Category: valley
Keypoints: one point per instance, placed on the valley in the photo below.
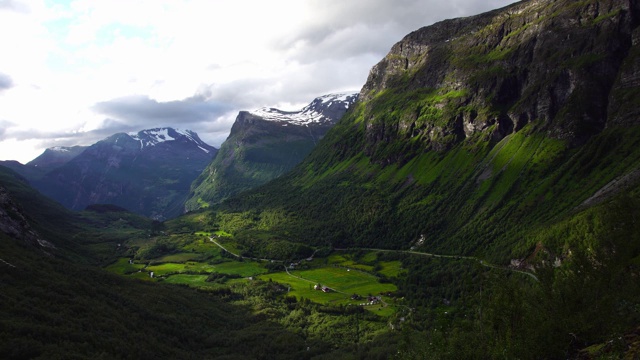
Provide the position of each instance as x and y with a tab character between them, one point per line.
479	198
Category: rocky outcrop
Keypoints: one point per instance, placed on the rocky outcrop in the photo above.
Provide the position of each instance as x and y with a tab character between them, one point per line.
14	223
569	67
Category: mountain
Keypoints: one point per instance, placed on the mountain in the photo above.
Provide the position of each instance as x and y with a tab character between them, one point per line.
474	131
50	159
56	156
148	172
264	144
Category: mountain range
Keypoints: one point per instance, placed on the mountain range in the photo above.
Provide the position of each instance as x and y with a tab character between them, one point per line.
148	172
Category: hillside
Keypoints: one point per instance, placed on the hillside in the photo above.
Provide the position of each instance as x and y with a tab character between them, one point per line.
264	144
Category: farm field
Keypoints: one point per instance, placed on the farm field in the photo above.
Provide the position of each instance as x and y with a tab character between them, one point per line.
390	268
344	281
179	257
241	268
198	281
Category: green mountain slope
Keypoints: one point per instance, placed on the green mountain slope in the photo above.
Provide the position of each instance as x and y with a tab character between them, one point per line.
473	133
263	145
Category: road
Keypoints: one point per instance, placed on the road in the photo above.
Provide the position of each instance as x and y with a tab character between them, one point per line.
482	262
240	256
459	257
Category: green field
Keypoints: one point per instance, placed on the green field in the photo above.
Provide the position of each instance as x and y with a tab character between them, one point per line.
345	281
303	289
179	257
242	268
390	268
191	280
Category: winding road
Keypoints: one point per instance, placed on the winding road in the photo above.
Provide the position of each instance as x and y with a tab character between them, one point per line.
411	252
482	262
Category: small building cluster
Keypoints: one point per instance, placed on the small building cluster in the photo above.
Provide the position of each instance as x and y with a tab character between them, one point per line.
321	288
372	300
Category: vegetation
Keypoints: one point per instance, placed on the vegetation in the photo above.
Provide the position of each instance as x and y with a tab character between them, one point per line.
529	218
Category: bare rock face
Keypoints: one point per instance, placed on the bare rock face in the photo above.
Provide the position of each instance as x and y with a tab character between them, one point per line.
555	64
15	224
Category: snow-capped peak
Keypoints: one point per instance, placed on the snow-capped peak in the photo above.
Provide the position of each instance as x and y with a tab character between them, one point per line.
319	110
153	137
60	149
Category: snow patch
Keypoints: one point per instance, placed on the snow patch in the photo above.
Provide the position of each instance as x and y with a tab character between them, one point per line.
308	114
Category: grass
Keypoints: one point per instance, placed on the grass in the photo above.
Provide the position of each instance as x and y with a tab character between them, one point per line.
191	280
244	268
179	257
303	289
341	260
122	267
345	281
391	268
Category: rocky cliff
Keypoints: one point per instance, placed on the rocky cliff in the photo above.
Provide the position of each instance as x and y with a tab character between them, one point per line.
565	66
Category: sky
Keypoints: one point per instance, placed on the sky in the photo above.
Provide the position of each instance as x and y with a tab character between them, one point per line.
73	72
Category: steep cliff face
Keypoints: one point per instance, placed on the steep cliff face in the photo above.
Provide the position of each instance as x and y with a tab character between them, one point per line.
264	144
14	223
550	63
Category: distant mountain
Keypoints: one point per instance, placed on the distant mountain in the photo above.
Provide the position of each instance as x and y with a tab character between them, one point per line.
56	156
148	172
50	159
264	144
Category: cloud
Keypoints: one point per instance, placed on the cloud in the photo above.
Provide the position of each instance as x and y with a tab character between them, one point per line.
13	6
79	63
143	111
341	29
5	82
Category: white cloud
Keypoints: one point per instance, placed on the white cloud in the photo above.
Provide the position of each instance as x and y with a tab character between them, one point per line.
72	66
